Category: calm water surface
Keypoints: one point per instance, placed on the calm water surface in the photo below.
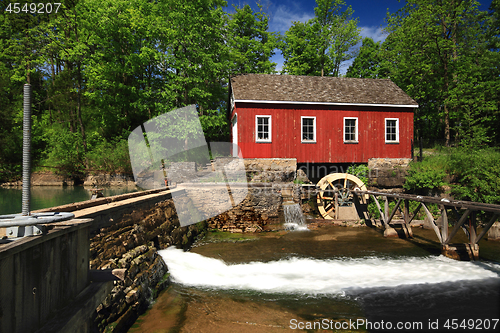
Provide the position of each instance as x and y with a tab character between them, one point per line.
50	196
326	277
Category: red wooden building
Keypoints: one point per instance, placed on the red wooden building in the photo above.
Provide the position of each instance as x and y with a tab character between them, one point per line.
320	119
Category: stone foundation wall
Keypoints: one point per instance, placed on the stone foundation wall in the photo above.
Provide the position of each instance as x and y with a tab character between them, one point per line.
387	172
258	207
260	210
129	248
271	169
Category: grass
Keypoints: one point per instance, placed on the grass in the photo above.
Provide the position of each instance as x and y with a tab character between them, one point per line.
229	237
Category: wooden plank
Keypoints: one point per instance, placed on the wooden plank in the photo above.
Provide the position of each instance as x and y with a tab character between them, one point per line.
416	212
444	227
433	223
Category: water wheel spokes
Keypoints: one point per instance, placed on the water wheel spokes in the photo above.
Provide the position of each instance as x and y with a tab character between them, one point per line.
335	190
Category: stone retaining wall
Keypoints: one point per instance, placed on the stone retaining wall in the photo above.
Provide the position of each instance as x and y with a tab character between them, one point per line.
261	208
109	180
47	178
387	172
271	169
129	248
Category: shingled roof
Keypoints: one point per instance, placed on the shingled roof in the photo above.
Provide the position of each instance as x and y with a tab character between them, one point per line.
317	89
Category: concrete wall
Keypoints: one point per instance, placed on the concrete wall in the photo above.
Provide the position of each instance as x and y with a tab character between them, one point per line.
39	275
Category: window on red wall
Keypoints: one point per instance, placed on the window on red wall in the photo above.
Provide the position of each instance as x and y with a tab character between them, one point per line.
391	130
262	128
350	130
308	129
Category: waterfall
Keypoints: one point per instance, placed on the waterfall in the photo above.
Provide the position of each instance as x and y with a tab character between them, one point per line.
294	218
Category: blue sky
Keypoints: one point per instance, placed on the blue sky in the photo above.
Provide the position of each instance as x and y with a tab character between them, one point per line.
371	16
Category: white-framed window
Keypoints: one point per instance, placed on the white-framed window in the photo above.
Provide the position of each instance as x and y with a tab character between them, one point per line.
263	129
308	129
391	130
350	130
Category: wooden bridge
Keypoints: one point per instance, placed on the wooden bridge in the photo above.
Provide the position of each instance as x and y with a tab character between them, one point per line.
464	215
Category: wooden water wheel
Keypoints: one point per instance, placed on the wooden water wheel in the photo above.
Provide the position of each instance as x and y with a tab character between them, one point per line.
336	191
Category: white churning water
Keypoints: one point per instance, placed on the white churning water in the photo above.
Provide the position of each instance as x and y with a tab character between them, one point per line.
314	276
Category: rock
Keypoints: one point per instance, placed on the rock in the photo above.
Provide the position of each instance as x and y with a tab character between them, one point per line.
390	232
302	177
103	179
494	232
119	273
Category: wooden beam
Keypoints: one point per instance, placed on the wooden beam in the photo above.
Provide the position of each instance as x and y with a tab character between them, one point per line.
386	210
444	219
394	211
458	225
406	211
379	209
433	223
336	204
416	211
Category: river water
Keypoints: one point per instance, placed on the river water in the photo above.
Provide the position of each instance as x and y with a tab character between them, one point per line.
51	196
350	279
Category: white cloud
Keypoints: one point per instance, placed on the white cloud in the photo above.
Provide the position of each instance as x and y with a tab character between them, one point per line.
376	33
283	17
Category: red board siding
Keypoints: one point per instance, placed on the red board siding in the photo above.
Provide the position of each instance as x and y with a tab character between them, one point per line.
329	146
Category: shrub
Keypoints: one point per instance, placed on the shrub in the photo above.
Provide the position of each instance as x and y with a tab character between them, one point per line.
475	175
111	157
360	171
427	176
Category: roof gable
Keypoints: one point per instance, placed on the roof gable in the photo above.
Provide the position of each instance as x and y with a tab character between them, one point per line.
318	90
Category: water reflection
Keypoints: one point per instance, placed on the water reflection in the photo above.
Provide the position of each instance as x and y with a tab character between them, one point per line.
51	196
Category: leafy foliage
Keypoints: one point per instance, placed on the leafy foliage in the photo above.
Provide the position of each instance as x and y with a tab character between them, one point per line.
425	177
110	157
472	174
475	174
361	171
99	69
438	52
368	62
319	46
250	43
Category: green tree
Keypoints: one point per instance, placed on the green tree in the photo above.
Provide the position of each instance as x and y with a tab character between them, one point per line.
299	50
368	63
436	52
250	43
319	46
